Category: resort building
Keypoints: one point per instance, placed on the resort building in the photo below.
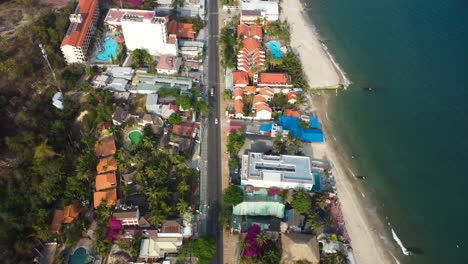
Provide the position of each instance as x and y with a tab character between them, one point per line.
127	215
105	148
106	181
240	78
278	81
238	108
252	31
71	212
251	56
181	30
252	16
263	111
269	10
168	64
142	32
291	97
106	164
82	28
283	171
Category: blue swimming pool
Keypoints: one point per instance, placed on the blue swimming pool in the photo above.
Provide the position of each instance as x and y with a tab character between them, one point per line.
274	47
78	257
110	49
316	186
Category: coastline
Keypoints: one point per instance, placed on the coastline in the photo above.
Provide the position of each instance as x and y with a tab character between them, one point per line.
366	232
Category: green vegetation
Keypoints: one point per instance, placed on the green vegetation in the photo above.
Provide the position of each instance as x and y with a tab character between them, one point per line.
224	217
280	100
203	248
233	195
227	41
175	119
286	144
235	142
132	246
303	124
202	107
141	57
335	258
292	65
184	102
71	74
166	92
234	163
227	95
279	30
301	201
99	105
122	53
196	21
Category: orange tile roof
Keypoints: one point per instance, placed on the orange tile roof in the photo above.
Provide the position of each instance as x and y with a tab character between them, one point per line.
57	220
266	91
109	195
181	30
292	112
71	213
250	44
256	31
106	181
240	77
291	95
238	92
171	40
249	31
250	89
258	99
105	147
242	29
238	107
274	78
263	106
78	30
106	164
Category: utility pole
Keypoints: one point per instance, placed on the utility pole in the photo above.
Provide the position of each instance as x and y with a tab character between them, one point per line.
44	54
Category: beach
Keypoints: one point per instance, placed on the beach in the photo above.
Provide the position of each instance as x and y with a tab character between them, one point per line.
364	230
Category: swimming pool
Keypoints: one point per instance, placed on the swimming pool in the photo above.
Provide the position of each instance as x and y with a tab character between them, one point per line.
135	137
316	186
274	47
78	257
110	49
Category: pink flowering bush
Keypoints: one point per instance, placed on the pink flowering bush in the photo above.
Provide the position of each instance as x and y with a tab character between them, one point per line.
114	227
253	250
273	191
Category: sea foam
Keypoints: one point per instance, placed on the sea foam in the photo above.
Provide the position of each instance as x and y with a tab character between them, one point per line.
403	249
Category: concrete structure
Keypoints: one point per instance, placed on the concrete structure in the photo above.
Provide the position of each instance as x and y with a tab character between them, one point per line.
82	27
120	116
121	72
154	107
127	215
101	81
252	16
157	247
150	83
191	48
269	9
148	32
118	85
114	16
168	64
284	171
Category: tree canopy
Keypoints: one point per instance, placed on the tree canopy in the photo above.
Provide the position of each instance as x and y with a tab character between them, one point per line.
235	143
203	248
233	195
301	201
175	119
184	102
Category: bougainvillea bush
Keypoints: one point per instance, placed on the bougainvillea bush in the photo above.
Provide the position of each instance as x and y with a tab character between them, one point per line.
253	250
114	227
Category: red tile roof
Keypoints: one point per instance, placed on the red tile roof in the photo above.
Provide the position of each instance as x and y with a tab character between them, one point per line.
106	165
258	99
105	147
106	181
249	31
238	107
263	106
57	220
240	78
266	91
183	129
292	112
181	30
291	95
71	212
78	31
274	78
250	89
250	44
238	92
109	195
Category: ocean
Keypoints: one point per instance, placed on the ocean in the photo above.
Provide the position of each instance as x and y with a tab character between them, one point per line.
409	137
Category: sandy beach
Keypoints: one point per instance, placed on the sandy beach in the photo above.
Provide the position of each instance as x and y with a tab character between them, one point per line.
364	230
322	71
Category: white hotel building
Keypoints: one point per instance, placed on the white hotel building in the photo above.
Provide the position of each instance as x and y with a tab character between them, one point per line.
283	171
83	22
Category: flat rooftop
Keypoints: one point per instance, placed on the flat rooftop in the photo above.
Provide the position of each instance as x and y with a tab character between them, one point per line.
115	15
279	168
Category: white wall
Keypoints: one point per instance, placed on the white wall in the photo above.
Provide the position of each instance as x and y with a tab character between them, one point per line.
280	184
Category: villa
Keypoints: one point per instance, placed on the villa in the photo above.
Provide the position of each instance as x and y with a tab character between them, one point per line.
109	195
281	81
283	171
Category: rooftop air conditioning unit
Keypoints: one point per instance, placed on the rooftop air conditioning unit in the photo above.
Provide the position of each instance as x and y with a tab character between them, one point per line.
76	18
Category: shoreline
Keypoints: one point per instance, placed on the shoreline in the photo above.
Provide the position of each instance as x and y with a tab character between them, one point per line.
368	241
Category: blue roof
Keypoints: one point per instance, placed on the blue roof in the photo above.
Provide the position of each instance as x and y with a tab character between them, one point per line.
314	123
307	135
265	127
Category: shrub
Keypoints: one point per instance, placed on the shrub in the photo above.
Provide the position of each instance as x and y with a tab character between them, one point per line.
233	195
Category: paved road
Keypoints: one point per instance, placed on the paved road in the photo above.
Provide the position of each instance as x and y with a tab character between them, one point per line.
214	140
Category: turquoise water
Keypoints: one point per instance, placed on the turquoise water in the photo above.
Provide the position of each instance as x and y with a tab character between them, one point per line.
78	257
316	186
110	49
274	47
409	138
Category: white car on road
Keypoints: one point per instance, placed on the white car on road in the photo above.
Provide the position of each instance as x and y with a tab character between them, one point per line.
216	121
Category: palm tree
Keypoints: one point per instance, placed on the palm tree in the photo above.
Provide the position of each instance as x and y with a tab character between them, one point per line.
183	187
43	151
261	239
182	206
321	202
314	223
243	245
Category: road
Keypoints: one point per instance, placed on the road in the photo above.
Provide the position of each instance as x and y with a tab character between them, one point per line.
214	133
